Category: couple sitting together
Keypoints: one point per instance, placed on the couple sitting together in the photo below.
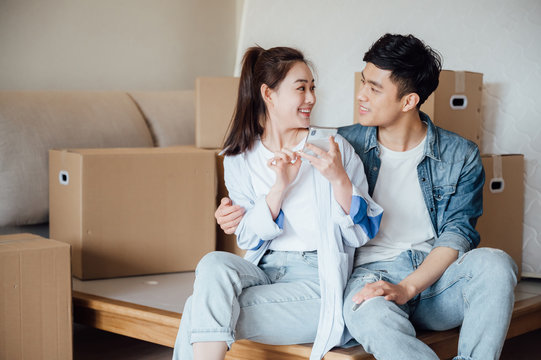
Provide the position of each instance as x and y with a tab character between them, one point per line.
360	244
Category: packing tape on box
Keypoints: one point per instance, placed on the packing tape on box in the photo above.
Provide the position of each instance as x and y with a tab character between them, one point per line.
460	82
497	183
459	101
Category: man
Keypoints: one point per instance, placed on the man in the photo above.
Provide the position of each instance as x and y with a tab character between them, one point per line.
421	270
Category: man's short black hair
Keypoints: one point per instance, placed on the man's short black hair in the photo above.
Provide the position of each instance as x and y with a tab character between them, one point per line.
414	66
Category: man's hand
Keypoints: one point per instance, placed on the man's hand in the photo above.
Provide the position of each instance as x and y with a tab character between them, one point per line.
400	294
434	265
228	216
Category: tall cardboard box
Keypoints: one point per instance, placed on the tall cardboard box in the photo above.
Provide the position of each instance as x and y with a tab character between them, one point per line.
500	226
224	242
35	298
454	106
133	211
215	99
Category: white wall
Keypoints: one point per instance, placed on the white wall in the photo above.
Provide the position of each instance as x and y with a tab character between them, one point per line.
115	44
499	38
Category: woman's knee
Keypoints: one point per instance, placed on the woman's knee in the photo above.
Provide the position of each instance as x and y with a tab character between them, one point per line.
212	262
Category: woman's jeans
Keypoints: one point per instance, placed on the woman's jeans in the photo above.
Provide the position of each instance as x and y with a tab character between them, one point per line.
476	291
276	302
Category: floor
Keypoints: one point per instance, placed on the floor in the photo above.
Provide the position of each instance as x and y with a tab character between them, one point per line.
90	344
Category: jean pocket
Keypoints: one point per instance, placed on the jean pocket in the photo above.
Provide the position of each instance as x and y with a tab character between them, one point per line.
310	258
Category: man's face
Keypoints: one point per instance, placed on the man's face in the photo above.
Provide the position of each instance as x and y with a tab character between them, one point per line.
377	98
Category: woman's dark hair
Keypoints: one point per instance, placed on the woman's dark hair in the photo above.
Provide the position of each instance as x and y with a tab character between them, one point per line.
259	66
414	66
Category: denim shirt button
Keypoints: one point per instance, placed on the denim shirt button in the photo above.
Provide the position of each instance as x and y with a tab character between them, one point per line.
375	168
423	179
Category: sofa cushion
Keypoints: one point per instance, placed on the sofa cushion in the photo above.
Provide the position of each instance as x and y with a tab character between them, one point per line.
170	115
32	122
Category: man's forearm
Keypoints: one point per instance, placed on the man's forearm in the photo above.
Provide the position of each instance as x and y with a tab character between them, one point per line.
430	271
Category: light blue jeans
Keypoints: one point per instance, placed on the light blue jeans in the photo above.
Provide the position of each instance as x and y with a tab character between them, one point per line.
276	302
475	291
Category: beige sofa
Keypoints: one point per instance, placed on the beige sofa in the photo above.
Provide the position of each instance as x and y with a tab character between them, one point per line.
32	122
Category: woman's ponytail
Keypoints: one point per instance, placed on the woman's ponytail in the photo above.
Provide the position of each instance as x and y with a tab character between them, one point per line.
245	125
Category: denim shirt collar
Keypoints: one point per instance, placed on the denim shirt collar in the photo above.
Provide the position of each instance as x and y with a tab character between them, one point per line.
432	148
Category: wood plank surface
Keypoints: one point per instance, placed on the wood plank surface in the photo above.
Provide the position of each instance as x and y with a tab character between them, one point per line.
137	321
160	326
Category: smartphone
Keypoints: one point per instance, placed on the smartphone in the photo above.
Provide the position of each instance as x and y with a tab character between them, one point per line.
319	136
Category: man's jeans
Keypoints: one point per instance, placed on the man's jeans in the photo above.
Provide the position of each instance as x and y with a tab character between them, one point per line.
476	291
275	303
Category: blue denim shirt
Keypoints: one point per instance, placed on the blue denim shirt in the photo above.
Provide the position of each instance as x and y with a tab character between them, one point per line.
451	176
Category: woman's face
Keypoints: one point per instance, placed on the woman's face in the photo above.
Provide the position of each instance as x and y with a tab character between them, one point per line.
291	103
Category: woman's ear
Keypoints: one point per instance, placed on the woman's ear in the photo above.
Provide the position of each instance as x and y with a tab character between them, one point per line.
266	92
410	101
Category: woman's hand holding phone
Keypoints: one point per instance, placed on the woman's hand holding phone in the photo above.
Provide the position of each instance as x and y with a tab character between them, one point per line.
329	164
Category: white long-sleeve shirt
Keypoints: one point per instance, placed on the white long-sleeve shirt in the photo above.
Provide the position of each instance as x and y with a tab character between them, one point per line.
339	233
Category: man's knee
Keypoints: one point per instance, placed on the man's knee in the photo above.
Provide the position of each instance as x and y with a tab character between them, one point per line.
493	264
370	314
374	317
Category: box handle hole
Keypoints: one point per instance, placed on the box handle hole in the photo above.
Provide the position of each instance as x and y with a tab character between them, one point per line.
458	102
63	177
497	185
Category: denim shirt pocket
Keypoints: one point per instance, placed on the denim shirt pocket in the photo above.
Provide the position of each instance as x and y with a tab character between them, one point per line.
443	192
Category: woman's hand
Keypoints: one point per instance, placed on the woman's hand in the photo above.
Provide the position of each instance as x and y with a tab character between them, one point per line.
329	164
286	165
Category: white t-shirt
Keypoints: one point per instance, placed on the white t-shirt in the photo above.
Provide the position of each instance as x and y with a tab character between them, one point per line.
299	205
406	223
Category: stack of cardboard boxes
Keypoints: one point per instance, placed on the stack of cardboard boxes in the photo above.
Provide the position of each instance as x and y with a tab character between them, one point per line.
456	106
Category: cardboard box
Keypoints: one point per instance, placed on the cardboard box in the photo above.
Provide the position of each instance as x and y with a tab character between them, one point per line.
35	300
454	106
224	242
133	211
215	100
501	224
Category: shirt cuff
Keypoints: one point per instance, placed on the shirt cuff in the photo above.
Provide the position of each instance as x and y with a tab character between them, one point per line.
280	220
453	241
367	218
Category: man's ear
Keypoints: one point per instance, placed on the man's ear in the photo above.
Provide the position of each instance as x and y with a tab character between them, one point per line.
266	92
410	101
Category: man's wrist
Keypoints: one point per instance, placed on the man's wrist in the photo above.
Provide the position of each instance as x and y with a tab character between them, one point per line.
411	289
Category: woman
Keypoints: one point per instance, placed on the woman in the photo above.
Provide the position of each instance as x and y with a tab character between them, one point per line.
303	220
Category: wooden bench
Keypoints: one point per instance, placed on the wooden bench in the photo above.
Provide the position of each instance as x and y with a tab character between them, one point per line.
160	326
